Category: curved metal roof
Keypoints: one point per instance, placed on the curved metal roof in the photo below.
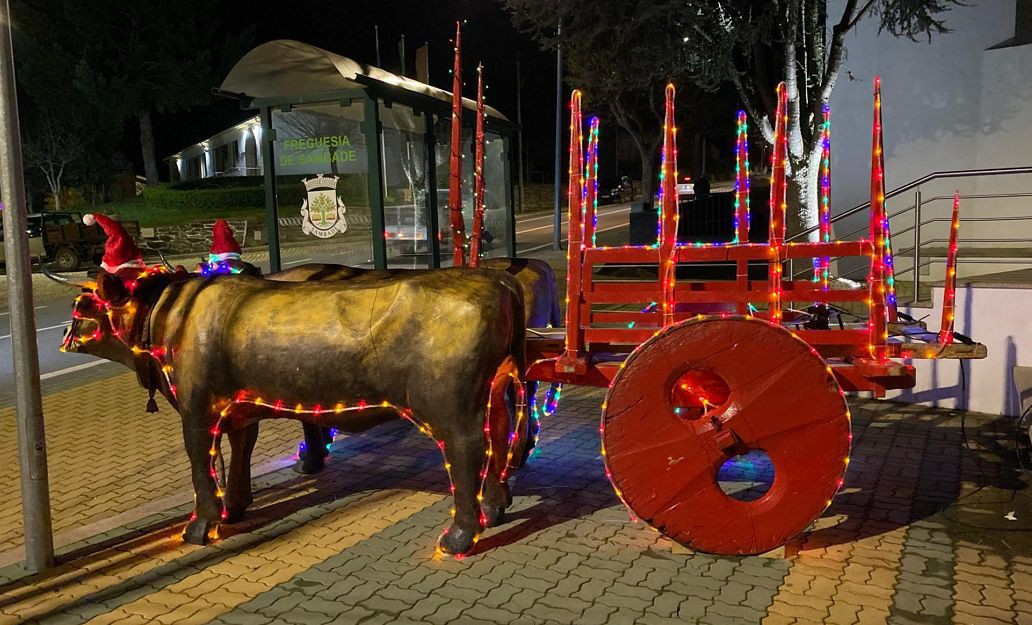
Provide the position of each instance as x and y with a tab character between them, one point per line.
285	67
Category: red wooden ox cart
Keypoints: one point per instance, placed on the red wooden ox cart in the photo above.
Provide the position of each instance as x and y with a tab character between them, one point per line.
688	391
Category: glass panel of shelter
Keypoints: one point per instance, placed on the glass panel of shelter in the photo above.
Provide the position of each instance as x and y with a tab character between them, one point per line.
322	184
406	200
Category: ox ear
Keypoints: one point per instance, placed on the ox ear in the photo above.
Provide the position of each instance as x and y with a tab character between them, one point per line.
111	289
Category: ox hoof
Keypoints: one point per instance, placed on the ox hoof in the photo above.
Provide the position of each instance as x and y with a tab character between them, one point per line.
197	531
456	541
234	515
493	515
309	465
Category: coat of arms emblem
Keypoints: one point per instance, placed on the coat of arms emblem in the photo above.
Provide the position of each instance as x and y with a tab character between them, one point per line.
322	212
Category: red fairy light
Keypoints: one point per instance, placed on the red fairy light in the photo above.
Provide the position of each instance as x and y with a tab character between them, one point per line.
778	196
950	287
458	224
668	209
478	173
575	232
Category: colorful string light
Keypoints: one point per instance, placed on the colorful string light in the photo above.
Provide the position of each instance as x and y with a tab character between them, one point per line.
669	217
590	200
822	264
878	276
778	203
575	232
950	287
742	213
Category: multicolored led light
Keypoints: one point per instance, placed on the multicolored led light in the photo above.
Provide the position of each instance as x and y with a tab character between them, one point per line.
950	287
669	217
575	232
742	214
880	273
822	264
778	203
591	183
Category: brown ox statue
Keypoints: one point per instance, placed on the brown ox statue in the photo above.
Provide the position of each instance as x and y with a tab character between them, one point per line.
541	307
229	350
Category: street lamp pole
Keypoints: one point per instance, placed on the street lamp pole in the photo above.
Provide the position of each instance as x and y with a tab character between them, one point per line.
32	446
557	219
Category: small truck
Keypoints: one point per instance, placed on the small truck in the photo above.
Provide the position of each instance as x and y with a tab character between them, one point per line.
64	241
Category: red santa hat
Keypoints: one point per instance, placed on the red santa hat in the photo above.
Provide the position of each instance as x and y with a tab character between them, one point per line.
223	246
120	251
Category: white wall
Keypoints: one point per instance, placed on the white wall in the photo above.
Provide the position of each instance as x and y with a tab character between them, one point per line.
946	104
996	317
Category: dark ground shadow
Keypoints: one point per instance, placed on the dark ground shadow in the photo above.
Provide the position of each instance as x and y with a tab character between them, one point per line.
911	463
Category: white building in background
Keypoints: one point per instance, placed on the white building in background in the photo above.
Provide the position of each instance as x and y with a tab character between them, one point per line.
236	151
962	101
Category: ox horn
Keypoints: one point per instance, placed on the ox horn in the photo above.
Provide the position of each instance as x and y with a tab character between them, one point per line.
61	279
167	264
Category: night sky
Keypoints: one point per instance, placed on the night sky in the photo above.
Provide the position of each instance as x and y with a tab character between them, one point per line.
347	28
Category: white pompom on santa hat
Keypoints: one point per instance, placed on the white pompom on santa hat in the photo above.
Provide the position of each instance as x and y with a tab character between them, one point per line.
120	251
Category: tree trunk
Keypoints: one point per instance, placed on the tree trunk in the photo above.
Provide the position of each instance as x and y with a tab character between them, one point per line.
803	194
150	162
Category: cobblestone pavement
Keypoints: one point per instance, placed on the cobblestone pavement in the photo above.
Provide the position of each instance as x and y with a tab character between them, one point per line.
918	534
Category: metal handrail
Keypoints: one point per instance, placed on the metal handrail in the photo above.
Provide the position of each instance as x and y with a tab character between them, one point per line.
958	173
915	248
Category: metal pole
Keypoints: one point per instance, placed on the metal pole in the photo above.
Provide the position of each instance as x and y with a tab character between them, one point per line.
271	201
376	32
917	245
557	219
32	443
519	136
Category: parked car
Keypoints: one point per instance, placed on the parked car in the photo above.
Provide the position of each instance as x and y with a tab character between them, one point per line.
613	192
64	241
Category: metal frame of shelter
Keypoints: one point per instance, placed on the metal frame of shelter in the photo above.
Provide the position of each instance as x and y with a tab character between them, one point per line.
372	91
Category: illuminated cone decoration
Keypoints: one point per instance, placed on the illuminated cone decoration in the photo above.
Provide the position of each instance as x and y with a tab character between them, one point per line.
742	180
822	264
890	270
223	245
478	174
668	209
591	185
778	195
120	251
575	233
950	288
458	225
880	276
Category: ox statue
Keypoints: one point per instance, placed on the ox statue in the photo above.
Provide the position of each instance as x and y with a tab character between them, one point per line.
229	350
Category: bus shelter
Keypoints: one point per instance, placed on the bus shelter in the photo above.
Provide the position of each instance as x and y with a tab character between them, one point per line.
355	159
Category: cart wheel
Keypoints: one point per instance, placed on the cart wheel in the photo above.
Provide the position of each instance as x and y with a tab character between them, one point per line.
65	259
705	392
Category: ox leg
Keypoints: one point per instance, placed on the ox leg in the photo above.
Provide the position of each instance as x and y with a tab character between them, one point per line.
207	507
314	458
238	490
466	454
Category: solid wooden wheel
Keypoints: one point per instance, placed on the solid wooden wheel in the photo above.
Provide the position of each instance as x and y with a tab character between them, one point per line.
709	390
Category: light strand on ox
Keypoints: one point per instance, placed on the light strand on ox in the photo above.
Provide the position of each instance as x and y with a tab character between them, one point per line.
742	213
950	287
668	217
478	175
458	224
778	204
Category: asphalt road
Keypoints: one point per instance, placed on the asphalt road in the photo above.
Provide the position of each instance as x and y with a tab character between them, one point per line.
533	233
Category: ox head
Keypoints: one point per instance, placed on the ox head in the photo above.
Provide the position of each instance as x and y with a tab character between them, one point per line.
224	256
